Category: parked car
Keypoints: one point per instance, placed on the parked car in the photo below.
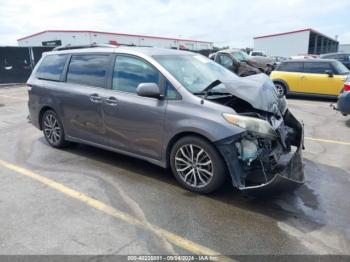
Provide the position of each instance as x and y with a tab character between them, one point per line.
310	76
307	56
172	108
257	53
341	57
264	64
227	60
278	59
343	104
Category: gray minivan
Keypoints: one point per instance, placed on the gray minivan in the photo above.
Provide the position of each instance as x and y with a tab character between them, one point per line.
172	108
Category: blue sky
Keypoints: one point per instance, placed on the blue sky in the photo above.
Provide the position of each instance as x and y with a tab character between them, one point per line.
225	22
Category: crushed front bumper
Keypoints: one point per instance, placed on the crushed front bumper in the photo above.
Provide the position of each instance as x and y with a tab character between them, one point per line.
288	172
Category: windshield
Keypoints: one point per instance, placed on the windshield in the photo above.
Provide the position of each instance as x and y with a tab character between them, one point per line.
340	68
194	72
240	56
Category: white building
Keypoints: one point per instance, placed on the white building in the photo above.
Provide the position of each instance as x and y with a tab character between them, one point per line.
301	42
76	37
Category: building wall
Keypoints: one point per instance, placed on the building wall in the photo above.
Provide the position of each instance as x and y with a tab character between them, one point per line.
17	63
344	48
284	45
320	44
86	38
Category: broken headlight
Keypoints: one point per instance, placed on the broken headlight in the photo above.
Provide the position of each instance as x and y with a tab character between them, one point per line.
256	126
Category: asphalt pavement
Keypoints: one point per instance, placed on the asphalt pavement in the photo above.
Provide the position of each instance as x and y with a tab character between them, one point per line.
84	200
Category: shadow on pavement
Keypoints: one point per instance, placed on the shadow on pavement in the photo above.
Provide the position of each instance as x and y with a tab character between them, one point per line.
312	98
347	122
313	202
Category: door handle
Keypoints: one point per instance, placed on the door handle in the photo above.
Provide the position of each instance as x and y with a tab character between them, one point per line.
302	77
112	101
95	98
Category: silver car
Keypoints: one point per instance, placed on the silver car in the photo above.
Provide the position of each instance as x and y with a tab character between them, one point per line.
172	108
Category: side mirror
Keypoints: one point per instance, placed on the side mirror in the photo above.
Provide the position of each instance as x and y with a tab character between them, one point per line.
329	73
148	90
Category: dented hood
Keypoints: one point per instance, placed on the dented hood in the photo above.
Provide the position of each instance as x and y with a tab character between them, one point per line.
259	91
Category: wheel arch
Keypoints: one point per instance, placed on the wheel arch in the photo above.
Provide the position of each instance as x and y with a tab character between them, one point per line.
176	138
42	112
281	81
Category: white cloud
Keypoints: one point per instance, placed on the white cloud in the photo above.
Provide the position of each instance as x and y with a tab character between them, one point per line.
223	21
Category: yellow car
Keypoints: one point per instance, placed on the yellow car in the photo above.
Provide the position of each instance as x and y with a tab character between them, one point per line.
310	76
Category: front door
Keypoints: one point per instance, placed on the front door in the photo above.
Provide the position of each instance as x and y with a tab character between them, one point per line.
291	73
134	123
315	80
82	102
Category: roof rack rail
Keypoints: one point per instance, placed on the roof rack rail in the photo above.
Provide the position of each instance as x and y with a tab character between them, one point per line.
68	47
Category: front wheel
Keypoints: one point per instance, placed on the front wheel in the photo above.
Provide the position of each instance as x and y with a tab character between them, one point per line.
197	165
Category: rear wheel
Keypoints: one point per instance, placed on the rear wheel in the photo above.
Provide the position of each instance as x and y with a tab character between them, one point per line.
280	88
197	165
53	129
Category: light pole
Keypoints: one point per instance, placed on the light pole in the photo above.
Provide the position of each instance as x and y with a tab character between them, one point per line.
178	42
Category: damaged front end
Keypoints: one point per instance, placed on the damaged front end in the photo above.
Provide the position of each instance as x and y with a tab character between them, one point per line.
268	151
261	161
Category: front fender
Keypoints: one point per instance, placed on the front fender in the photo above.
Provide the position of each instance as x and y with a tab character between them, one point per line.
211	130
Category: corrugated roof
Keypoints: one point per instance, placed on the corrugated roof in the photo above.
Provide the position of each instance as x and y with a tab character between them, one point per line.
295	32
110	33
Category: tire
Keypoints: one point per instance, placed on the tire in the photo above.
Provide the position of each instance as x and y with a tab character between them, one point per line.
280	88
53	129
206	173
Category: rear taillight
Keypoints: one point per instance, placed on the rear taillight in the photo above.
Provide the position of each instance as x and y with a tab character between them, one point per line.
29	87
346	86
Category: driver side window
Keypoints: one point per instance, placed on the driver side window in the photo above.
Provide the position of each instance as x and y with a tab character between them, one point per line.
130	71
226	61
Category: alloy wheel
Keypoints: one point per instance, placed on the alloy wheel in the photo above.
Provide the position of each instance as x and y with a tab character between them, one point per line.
194	165
279	89
52	129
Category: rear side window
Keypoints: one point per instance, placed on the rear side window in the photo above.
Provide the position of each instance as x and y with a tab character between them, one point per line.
291	67
317	68
129	72
88	69
51	67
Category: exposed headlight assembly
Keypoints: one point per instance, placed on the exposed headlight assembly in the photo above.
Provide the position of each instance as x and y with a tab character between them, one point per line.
256	126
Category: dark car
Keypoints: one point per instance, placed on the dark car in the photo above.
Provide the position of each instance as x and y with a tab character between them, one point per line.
172	108
278	59
343	104
342	57
233	64
245	64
